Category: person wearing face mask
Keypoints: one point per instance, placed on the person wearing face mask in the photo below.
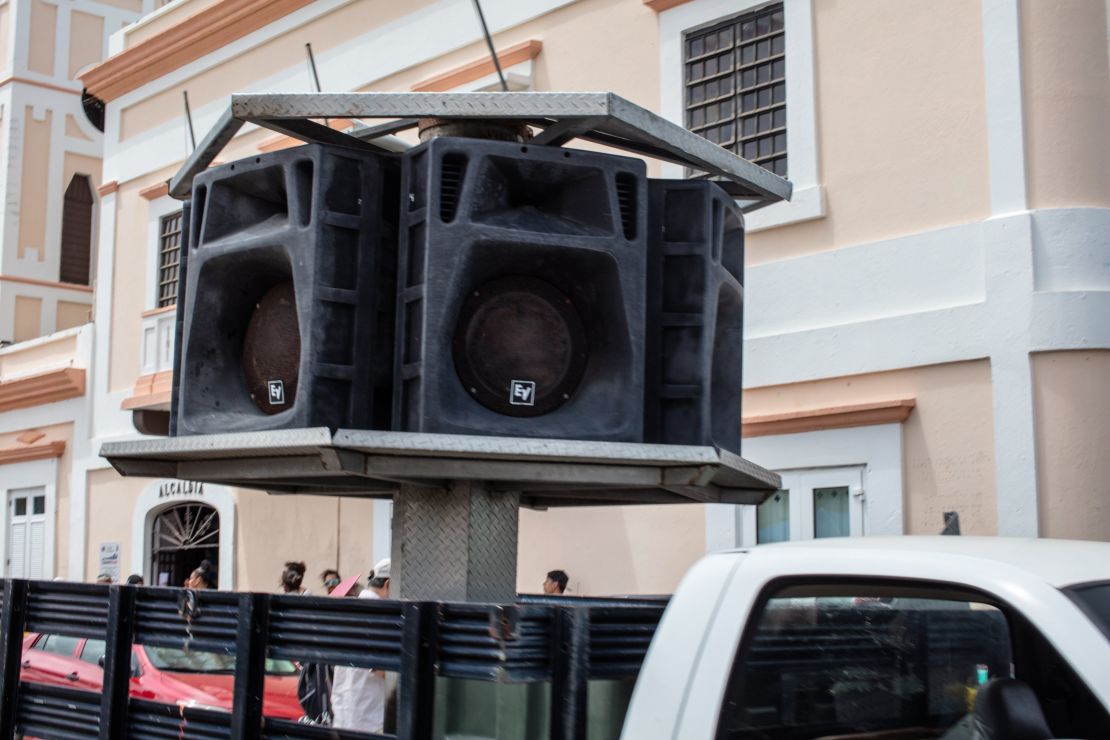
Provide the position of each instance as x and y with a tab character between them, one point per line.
330	578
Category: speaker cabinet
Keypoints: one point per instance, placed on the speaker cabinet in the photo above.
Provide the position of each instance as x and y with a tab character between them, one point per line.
521	303
695	315
289	293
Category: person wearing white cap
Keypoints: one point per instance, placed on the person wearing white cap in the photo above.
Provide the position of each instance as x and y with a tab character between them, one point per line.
358	694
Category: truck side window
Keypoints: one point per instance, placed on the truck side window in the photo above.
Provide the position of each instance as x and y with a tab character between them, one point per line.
830	660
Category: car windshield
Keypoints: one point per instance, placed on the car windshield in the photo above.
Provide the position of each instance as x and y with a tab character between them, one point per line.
174	660
1095	602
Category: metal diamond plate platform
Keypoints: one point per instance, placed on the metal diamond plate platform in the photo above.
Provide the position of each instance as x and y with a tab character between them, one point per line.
546	472
557	118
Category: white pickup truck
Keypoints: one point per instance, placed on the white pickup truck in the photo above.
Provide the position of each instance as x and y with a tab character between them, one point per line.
884	639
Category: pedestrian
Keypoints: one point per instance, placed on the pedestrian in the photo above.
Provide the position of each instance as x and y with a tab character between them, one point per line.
358	694
556	582
104	579
134	580
330	578
292	578
203	577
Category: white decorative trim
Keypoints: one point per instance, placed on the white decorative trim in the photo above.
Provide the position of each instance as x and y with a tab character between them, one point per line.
33	474
421	35
801	99
151	503
1010	251
108	418
877	448
1005	120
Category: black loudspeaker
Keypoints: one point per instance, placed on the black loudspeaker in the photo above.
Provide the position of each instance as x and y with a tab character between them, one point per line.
695	315
521	303
289	293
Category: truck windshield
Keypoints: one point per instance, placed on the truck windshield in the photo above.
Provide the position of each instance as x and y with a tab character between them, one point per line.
1095	602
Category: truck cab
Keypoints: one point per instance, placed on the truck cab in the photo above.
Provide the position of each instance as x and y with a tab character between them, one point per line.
883	638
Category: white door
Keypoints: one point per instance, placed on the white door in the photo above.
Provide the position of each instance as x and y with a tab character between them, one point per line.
813	503
26	532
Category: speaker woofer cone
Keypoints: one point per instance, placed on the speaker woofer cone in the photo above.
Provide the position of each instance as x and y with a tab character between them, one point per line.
520	348
272	350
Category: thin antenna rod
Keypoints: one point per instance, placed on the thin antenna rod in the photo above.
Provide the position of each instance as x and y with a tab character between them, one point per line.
489	43
189	119
312	71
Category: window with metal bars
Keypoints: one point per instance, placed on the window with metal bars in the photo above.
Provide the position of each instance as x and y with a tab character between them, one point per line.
735	79
169	257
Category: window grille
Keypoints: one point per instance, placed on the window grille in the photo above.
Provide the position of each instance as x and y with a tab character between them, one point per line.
169	257
735	72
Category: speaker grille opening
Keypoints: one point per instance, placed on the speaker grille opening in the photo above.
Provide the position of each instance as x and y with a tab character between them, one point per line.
272	350
626	201
520	347
450	185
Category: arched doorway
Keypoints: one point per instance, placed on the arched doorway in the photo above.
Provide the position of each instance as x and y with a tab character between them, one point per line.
181	537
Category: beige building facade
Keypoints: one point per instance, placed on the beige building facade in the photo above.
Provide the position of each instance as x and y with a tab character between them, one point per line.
51	144
927	321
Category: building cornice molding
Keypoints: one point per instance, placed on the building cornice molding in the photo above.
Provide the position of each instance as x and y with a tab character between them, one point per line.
157	190
42	388
35	83
660	5
28	453
151	391
200	34
523	52
836	417
46	283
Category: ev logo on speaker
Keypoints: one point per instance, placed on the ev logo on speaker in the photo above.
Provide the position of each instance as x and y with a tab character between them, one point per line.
277	392
522	393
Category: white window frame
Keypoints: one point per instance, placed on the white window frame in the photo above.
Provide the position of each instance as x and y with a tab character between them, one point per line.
808	201
34	474
875	450
801	484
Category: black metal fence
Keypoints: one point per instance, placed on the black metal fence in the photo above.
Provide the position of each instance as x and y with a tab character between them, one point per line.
566	642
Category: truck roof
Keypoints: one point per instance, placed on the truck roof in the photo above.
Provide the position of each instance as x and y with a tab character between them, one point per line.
1060	563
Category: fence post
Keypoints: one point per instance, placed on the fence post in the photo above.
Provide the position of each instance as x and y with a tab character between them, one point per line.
250	666
417	683
11	653
569	672
117	662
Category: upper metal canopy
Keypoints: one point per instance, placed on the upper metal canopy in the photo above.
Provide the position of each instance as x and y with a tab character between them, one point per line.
600	117
547	472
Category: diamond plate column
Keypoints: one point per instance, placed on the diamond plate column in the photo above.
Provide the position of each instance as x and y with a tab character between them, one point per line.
455	544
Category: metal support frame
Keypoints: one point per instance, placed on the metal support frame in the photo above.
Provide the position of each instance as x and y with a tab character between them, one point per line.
597	117
250	650
546	472
538	639
416	686
570	680
117	662
11	653
455	544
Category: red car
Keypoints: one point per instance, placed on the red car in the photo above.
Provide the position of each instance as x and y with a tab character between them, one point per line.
166	675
